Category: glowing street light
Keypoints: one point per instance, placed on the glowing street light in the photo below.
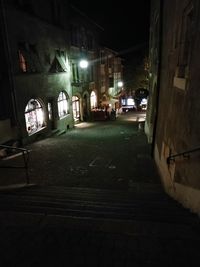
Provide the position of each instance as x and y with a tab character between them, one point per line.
120	84
83	64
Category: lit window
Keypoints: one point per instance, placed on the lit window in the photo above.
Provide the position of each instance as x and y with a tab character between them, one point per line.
22	62
93	100
34	116
123	101
130	102
62	105
76	108
50	111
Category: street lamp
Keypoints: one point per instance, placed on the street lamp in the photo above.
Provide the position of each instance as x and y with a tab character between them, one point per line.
83	64
120	84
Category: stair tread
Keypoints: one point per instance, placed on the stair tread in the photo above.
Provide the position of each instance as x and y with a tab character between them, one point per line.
97	203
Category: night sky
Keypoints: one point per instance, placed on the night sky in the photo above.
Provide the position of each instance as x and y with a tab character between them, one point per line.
126	24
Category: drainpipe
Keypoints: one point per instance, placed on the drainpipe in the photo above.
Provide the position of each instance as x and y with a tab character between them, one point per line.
159	77
14	117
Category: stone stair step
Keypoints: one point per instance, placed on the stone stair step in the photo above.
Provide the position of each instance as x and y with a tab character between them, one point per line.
96	203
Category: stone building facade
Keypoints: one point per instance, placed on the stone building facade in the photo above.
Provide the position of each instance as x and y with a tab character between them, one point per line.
36	41
84	45
43	88
173	120
111	74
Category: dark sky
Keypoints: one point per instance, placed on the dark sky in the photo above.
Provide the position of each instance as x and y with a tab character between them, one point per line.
125	23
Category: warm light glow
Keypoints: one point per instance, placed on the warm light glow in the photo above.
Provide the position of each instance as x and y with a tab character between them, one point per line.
62	105
34	116
76	108
83	64
120	84
93	100
130	102
143	101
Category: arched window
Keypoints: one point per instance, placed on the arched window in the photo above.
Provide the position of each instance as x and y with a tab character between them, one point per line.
63	108
76	108
34	116
93	100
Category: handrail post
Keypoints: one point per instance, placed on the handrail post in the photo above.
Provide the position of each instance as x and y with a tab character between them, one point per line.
25	154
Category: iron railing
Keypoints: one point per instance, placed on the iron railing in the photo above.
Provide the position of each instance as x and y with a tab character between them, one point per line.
16	151
184	154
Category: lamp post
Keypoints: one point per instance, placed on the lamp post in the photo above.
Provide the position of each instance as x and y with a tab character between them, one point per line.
119	91
83	64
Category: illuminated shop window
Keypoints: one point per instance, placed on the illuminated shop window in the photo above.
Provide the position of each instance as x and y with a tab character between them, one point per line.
130	101
76	107
34	116
93	100
62	105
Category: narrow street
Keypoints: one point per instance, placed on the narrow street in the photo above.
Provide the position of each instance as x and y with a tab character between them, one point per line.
102	154
109	154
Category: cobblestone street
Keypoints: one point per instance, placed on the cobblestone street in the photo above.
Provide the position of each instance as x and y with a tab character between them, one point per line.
105	154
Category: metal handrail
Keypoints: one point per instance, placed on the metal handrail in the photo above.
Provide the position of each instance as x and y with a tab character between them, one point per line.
25	153
185	154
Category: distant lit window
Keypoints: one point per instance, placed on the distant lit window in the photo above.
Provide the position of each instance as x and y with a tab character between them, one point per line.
22	62
34	116
93	100
123	101
63	108
130	102
50	111
76	108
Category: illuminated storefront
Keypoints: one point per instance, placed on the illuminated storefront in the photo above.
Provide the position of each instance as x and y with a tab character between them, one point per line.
34	116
